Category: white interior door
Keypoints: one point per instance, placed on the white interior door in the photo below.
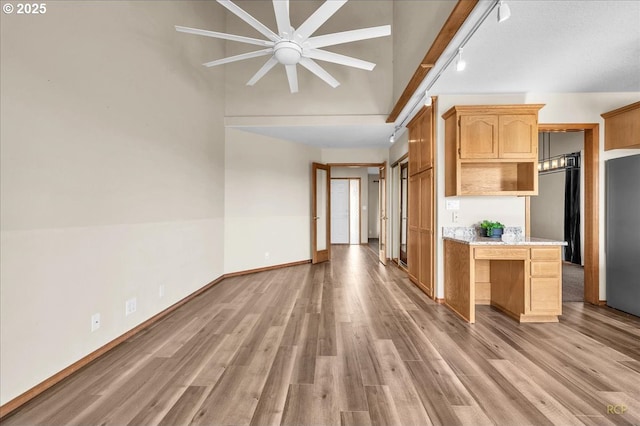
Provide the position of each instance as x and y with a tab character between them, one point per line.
339	211
354	211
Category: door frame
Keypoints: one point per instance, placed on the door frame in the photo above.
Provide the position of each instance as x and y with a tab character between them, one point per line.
378	165
591	164
383	245
322	255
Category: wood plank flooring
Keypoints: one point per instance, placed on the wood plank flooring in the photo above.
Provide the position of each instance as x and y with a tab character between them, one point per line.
352	342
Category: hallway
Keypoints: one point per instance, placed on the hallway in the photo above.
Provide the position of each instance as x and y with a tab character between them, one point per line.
352	342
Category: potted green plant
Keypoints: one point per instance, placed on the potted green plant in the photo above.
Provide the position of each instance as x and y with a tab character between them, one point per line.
492	229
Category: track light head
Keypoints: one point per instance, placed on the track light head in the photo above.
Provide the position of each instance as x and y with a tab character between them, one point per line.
504	12
427	99
392	138
460	64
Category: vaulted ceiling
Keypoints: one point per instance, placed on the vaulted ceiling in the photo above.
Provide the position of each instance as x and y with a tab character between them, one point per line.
556	46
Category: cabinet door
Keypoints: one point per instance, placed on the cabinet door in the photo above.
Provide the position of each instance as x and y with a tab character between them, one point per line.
426	140
518	136
426	200
478	136
413	254
413	243
414	149
426	262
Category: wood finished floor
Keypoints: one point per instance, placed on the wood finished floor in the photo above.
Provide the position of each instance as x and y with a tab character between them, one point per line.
352	342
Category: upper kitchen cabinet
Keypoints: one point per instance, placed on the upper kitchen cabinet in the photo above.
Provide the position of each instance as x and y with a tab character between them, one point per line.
622	127
491	150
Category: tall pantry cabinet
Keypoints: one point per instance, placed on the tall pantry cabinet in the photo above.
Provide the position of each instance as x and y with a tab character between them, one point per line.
421	232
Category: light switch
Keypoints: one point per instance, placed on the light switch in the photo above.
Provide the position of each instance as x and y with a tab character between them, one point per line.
452	204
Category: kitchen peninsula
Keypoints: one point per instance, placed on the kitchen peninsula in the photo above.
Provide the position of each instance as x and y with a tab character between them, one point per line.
521	276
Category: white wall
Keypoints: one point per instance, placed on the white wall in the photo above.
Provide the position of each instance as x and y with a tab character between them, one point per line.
267	201
355	156
111	172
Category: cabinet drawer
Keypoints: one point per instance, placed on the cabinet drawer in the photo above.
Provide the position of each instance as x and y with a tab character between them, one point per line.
502	253
545	295
545	253
545	269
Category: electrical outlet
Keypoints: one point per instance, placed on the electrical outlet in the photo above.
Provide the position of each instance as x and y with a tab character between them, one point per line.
161	290
95	322
455	216
130	306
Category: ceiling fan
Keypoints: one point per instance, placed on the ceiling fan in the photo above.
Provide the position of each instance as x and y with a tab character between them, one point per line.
294	46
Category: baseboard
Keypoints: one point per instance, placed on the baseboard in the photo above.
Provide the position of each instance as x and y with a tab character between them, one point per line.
439	300
602	302
266	268
25	397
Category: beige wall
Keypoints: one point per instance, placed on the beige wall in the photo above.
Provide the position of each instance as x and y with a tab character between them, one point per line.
267	201
361	92
112	175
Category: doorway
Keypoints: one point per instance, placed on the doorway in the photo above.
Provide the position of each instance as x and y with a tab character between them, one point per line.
362	172
591	165
345	211
404	204
557	212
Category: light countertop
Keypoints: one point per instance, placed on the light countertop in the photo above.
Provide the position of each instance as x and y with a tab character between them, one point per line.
510	240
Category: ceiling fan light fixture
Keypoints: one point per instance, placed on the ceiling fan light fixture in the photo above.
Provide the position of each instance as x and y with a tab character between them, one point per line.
504	12
287	52
461	64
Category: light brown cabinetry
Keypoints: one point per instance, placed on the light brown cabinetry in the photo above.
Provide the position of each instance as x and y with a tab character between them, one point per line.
622	127
525	282
491	150
421	189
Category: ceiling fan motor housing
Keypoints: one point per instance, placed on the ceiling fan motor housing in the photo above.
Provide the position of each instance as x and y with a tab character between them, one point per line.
287	52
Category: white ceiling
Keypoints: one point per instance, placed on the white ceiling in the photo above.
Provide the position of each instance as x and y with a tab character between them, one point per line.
546	46
552	46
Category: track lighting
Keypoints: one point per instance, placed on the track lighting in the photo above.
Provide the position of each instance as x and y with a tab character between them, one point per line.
392	138
427	99
460	64
503	11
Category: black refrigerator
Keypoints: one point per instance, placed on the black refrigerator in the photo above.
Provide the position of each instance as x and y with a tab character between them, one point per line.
622	233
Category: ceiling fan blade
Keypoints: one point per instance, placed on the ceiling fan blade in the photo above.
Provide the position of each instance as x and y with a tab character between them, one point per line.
246	17
292	76
319	17
281	9
224	36
348	36
319	71
262	71
249	55
336	58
